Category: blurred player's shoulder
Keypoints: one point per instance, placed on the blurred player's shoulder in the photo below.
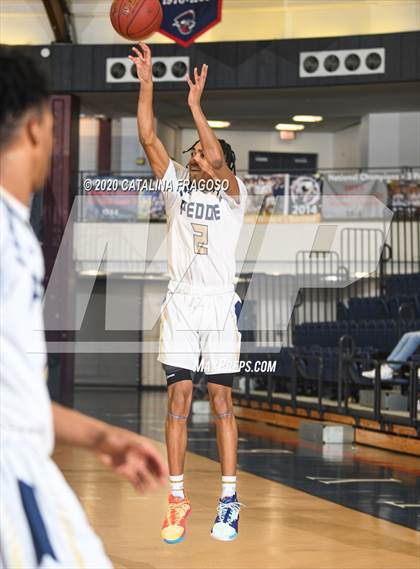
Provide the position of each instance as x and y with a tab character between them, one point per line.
11	206
11	212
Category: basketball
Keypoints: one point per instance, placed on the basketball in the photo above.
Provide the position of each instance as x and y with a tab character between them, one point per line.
136	19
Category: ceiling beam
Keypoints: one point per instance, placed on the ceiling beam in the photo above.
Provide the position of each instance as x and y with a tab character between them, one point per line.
61	20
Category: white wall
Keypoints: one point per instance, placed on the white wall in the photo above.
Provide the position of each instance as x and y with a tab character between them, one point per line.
392	139
125	146
88	144
410	139
130	146
170	139
116	145
131	149
244	141
347	148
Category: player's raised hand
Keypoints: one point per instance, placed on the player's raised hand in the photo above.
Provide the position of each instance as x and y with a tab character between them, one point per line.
197	86
133	457
143	62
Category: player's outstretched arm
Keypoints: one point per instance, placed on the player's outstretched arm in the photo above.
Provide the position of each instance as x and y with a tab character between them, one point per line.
213	154
126	453
155	151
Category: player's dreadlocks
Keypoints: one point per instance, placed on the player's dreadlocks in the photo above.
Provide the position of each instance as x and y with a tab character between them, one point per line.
22	87
228	153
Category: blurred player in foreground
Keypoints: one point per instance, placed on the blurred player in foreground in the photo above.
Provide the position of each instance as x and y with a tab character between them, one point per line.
199	318
42	522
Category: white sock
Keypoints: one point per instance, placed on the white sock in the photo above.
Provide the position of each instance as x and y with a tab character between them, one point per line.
228	486
177	486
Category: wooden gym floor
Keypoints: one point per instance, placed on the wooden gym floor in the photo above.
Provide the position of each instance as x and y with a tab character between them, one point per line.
281	526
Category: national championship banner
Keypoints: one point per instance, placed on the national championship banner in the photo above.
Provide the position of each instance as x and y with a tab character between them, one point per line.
345	200
404	193
185	20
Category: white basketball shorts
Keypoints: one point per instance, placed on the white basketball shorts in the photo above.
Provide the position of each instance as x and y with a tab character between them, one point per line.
199	330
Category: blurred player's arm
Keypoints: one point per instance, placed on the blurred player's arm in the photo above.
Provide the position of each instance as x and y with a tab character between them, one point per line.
155	151
213	153
126	453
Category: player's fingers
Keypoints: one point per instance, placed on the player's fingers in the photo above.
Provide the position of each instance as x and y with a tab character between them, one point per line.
138	53
106	459
146	51
158	467
127	473
152	459
204	72
136	472
160	471
130	474
190	83
196	75
146	477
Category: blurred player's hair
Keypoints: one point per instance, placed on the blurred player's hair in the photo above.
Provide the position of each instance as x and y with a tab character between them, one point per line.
22	88
228	153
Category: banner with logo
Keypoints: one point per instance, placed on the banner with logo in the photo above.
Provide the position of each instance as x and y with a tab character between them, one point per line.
263	191
115	199
345	200
185	20
283	194
304	195
404	193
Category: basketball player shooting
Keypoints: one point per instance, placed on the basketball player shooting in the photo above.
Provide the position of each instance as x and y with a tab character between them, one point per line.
199	315
42	522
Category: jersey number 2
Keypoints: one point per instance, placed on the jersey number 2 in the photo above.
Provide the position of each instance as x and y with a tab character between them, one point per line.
201	239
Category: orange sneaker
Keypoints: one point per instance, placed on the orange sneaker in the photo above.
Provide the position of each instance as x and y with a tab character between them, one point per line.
173	528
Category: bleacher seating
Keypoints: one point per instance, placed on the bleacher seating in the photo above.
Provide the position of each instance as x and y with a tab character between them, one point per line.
373	324
401	284
381	335
378	308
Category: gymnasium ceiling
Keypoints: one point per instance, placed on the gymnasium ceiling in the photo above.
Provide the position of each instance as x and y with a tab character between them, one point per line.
341	106
26	22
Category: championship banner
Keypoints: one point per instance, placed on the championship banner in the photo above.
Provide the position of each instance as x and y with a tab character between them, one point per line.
404	193
109	199
300	195
304	195
344	200
263	191
185	20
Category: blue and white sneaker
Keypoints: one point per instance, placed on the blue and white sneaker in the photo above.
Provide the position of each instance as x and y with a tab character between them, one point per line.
225	526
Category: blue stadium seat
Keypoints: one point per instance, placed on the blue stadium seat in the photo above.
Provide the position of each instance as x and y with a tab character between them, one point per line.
379	334
369	308
402	284
411	301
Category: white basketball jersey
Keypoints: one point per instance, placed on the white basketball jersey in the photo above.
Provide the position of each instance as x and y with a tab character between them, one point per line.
203	233
25	407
